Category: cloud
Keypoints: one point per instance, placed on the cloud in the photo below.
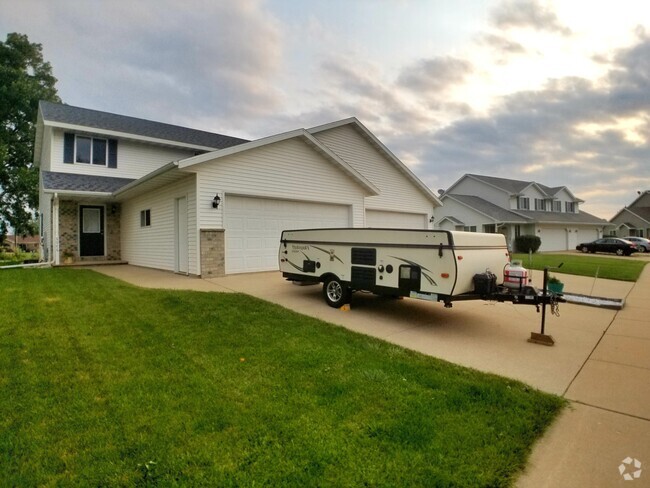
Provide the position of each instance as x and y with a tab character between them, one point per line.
502	44
528	14
434	75
164	62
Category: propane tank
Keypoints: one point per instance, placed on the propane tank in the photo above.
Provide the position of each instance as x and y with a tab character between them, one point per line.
515	276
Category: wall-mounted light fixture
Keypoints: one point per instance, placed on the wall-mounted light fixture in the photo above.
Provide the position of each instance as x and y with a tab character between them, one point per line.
113	209
216	201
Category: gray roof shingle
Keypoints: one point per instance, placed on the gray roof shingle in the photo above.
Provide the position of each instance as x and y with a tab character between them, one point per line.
498	213
504	215
516	186
56	112
81	183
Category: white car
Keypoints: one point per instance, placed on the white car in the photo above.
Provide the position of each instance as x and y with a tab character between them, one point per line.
642	244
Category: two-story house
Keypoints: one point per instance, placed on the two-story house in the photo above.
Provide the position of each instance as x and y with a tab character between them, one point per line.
633	220
480	203
118	188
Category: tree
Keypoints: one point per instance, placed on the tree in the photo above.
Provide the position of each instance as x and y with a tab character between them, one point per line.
24	80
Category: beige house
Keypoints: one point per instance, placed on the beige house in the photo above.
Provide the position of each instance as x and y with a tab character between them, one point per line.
633	220
117	188
478	203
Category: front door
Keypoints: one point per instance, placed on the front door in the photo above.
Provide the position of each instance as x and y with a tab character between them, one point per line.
91	230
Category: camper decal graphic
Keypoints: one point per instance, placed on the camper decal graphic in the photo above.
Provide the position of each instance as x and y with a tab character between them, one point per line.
296	266
330	253
426	276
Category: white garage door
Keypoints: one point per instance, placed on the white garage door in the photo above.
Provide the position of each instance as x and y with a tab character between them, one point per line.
553	239
254	225
587	235
395	220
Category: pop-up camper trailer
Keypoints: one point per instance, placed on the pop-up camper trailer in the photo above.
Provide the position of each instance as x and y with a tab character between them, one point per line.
435	265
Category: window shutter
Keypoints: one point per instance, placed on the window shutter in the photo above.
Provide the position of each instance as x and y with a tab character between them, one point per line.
68	148
112	153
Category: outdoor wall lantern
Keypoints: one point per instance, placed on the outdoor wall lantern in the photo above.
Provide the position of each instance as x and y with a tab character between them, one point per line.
216	201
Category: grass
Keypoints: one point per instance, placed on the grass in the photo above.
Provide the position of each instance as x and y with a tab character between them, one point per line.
105	384
623	269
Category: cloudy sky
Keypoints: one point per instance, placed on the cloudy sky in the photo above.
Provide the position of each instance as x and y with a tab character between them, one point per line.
556	92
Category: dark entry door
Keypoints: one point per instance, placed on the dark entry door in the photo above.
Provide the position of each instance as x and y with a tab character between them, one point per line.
91	230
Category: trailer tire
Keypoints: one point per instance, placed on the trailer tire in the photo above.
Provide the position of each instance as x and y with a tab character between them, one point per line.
336	292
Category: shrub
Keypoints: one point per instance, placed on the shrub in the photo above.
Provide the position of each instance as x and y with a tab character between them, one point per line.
527	243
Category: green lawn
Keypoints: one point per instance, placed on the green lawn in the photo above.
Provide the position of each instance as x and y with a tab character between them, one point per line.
624	269
105	384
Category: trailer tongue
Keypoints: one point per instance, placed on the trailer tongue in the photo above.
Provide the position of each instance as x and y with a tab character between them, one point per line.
433	265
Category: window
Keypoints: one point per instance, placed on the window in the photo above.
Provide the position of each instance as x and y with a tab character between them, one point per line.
145	218
517	230
469	228
89	150
523	203
570	207
490	228
539	204
557	206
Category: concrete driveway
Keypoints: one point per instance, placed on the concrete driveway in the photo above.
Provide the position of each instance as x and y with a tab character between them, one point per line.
601	359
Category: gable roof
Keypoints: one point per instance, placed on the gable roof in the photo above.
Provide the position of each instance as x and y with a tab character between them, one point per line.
369	136
514	187
298	133
67	116
489	209
69	182
500	214
642	213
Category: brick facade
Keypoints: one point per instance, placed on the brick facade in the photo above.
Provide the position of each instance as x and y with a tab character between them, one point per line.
213	253
69	232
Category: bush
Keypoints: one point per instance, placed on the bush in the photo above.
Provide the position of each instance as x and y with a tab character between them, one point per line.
527	243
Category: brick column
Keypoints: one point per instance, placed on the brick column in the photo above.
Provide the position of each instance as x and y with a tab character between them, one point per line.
213	255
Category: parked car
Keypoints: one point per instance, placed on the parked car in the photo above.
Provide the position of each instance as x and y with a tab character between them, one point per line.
619	246
642	244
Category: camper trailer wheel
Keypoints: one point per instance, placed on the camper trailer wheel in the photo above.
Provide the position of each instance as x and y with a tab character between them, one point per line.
336	293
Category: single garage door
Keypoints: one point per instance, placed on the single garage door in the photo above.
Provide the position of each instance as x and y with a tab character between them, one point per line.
254	225
587	235
553	239
395	220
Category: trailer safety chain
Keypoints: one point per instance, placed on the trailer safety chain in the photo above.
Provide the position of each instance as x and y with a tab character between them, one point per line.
555	305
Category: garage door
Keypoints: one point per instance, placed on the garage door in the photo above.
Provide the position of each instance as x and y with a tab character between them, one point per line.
553	239
254	225
395	220
587	235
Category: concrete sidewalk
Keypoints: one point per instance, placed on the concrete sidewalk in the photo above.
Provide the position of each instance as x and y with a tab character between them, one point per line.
600	361
608	421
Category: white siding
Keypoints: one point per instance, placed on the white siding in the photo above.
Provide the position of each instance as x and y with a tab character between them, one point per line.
397	192
469	217
396	220
154	246
470	186
287	170
45	214
134	159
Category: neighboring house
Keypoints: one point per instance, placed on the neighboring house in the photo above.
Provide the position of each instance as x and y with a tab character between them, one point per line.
479	203
24	244
117	188
634	220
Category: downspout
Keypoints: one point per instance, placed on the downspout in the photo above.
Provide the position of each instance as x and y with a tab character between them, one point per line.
54	259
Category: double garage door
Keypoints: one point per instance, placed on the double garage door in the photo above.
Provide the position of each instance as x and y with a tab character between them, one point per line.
254	225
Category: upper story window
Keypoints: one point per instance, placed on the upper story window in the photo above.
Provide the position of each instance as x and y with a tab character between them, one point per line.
557	206
523	203
539	204
570	207
89	150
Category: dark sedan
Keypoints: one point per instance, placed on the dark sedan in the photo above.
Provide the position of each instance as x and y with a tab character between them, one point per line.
620	247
